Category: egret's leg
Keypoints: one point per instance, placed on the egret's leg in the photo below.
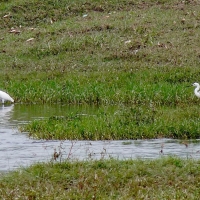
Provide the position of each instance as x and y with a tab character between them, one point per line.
2	101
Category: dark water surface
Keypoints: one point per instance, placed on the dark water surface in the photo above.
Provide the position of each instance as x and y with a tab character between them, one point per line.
18	150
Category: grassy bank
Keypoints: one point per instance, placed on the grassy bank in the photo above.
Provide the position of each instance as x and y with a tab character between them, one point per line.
129	53
166	178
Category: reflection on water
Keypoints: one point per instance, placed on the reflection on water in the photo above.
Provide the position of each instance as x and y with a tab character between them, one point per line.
5	115
16	149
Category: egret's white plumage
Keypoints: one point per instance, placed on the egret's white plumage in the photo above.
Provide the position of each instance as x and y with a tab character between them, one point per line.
196	90
5	97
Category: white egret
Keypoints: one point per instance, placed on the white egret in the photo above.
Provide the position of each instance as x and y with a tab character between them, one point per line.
196	90
5	97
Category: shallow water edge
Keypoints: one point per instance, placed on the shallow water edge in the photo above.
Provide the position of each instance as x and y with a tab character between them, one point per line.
18	150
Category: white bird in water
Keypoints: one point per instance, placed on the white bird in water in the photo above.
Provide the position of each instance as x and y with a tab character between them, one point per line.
5	97
196	90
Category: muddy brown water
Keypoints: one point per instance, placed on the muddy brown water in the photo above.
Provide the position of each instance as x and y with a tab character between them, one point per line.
18	150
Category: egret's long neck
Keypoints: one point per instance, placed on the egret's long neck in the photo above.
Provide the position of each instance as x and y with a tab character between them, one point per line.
196	91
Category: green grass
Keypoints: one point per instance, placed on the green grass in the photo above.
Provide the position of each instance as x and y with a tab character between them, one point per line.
102	88
124	123
77	45
164	178
86	48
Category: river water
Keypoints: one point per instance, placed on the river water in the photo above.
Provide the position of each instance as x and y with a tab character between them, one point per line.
18	150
